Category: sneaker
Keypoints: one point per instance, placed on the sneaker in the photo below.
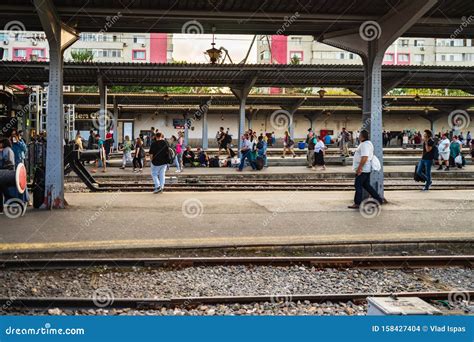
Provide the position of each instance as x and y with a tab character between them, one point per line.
439	168
447	168
177	171
156	191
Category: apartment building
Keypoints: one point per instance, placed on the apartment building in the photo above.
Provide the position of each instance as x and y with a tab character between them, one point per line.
404	51
105	47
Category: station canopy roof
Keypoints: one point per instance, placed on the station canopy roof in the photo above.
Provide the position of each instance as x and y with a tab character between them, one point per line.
315	17
169	100
237	75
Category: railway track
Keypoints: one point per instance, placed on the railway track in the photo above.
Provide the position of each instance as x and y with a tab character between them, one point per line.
157	303
393	262
106	298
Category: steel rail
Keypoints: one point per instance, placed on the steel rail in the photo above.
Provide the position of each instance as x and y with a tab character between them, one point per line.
153	303
394	262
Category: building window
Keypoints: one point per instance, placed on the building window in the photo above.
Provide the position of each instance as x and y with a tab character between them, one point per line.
139	54
4	37
139	39
419	58
296	54
404	42
340	55
101	53
296	40
403	58
264	55
388	58
38	52
20	37
19	53
419	42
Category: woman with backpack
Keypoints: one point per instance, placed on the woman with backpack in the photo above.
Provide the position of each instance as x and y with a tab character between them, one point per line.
288	145
138	156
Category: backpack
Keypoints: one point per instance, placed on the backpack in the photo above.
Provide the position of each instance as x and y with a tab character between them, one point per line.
435	152
171	155
214	162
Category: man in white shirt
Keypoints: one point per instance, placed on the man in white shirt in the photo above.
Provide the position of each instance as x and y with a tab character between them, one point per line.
443	151
362	167
246	152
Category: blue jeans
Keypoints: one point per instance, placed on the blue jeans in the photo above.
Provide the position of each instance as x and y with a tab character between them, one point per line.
158	175
425	164
247	155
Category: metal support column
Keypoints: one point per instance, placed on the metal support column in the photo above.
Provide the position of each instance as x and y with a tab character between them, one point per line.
370	41
250	116
187	124
205	136
103	117
60	37
242	93
115	123
291	112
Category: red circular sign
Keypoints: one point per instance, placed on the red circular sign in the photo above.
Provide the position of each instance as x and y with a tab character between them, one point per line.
20	178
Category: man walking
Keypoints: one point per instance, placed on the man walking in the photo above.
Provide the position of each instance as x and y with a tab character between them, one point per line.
160	158
246	152
362	166
423	169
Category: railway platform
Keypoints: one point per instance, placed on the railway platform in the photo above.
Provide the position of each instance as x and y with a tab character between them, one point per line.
126	221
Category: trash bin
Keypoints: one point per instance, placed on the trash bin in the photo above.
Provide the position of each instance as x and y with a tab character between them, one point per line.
301	145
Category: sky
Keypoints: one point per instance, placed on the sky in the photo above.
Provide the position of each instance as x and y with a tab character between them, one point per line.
191	47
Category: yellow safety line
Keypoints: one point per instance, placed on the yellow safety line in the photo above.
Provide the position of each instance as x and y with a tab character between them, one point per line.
237	241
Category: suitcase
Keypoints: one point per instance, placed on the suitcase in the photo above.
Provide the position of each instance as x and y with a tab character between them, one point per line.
259	163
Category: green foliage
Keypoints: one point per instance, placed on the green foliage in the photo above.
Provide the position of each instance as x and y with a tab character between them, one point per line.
295	60
82	56
428	92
